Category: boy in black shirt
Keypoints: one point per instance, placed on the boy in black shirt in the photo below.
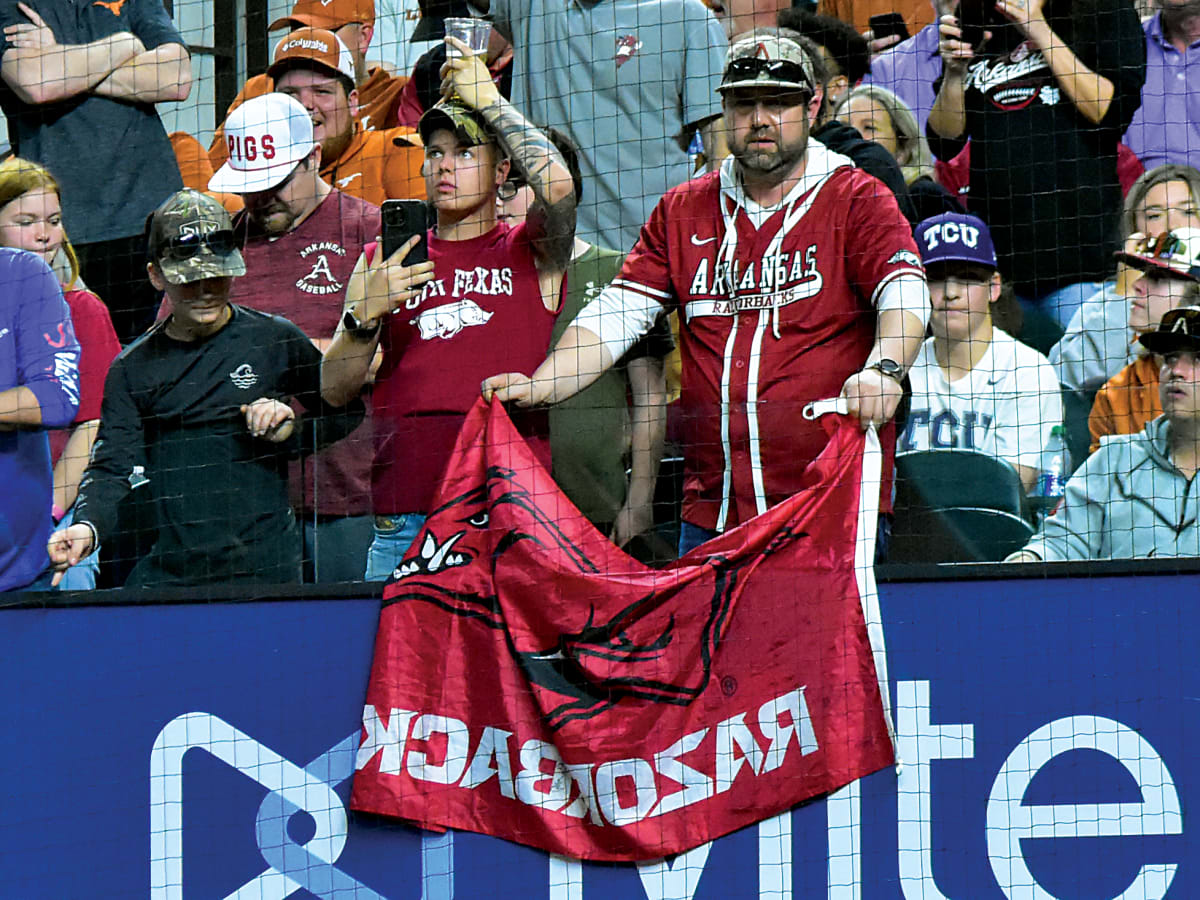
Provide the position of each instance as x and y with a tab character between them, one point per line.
200	403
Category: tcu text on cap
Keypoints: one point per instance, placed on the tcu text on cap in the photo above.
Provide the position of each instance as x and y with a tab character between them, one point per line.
952	233
249	148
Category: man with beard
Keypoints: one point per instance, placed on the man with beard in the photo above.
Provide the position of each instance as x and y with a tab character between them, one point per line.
316	69
300	239
797	279
353	21
202	404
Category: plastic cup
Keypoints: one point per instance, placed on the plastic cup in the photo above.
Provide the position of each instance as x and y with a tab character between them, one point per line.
472	32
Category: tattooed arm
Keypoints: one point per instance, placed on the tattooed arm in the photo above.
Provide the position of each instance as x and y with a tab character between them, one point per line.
551	218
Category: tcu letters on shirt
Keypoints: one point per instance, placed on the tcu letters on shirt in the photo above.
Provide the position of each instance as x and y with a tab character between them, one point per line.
481	314
1005	407
777	309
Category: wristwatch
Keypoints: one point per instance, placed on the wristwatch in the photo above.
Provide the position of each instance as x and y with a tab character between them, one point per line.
890	368
357	329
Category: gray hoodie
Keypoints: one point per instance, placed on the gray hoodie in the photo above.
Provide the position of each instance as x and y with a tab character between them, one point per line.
1127	500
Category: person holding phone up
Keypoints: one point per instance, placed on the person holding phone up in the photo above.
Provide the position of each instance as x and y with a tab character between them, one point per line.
1044	97
484	301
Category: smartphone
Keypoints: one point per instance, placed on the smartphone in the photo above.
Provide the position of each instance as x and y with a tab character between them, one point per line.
401	220
886	24
973	17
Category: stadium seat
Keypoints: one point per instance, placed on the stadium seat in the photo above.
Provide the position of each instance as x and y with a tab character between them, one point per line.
957	506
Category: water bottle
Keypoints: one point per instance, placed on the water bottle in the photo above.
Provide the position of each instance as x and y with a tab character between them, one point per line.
1056	466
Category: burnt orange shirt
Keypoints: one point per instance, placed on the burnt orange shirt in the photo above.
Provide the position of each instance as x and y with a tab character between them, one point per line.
378	105
1127	401
196	170
379	165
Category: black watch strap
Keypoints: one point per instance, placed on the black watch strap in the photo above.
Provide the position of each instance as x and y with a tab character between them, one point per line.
359	330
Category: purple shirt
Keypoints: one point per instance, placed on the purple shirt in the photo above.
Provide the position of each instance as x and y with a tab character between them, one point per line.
909	70
1166	129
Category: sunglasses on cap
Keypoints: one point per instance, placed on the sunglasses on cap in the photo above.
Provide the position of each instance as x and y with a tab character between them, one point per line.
221	243
753	67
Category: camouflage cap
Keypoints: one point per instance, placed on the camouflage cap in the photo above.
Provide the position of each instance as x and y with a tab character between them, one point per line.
190	237
462	120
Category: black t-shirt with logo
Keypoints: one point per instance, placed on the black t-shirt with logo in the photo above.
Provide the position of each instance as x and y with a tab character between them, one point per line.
173	408
1043	176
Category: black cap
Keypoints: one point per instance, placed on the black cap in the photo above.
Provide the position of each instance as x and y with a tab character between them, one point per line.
1178	330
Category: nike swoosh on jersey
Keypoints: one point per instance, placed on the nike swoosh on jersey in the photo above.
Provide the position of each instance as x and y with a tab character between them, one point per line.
342	182
700	242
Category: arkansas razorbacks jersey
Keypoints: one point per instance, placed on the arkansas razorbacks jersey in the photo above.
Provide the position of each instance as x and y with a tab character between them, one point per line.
776	310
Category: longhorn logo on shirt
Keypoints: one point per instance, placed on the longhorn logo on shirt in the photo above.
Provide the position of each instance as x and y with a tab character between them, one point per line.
454	569
244	377
448	320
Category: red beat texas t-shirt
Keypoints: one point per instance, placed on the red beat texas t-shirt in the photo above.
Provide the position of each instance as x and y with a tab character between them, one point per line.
482	314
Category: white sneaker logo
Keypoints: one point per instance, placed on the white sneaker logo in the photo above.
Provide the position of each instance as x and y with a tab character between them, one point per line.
700	242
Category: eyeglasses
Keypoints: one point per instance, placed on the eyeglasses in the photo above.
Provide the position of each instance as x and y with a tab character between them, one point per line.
221	243
509	189
775	69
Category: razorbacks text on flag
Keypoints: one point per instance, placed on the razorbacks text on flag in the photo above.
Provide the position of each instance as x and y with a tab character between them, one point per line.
532	682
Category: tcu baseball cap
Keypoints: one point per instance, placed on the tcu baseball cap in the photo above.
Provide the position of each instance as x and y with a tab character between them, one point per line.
767	57
312	46
956	237
266	137
191	237
453	116
330	14
1178	330
1176	252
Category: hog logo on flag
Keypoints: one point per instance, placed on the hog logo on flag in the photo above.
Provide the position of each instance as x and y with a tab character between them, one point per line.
532	682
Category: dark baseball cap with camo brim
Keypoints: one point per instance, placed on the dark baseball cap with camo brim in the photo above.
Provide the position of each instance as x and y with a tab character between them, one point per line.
190	237
768	58
467	124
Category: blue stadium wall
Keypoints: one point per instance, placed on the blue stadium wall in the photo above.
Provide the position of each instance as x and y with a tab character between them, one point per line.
1049	730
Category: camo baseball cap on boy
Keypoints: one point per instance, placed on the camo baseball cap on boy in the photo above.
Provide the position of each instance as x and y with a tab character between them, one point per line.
767	58
462	120
190	237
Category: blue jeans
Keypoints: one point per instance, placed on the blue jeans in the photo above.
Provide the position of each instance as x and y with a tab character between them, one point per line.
692	536
393	536
81	577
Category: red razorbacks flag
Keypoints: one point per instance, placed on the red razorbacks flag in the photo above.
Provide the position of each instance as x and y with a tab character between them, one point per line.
533	682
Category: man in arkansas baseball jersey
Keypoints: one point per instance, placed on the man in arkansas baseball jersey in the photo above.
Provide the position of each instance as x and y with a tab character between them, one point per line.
487	299
796	278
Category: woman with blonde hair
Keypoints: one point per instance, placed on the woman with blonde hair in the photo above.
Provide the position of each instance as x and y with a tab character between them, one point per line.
31	220
880	116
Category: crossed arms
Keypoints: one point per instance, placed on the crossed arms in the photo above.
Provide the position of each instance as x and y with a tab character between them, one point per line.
41	70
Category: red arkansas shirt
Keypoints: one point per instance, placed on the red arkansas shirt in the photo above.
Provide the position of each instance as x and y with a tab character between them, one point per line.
775	313
481	314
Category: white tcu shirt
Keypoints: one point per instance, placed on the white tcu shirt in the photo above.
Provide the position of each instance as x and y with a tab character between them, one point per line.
1005	407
